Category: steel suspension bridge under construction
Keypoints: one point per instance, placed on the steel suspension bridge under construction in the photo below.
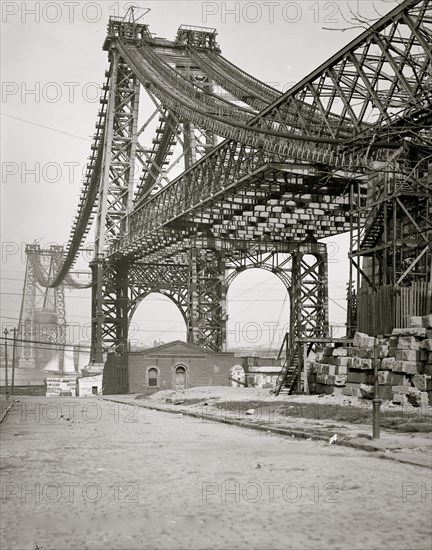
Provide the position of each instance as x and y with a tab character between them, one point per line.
265	177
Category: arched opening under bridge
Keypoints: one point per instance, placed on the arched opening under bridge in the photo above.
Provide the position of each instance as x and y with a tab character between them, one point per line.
155	319
258	307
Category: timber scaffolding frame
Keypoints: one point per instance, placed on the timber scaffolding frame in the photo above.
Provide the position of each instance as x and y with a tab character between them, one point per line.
266	176
392	249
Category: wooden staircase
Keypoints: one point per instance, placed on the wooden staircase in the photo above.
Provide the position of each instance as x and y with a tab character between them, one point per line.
288	376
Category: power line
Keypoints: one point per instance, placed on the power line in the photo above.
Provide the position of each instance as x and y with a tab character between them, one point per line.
23	341
43	126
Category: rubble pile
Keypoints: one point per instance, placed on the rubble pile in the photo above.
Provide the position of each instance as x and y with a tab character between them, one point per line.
404	365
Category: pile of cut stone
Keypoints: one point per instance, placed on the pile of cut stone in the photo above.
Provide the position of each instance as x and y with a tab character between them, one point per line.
404	365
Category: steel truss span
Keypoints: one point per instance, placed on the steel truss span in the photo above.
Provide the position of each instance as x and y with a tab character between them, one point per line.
262	174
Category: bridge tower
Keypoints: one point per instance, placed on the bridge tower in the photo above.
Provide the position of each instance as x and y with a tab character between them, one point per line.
196	280
42	317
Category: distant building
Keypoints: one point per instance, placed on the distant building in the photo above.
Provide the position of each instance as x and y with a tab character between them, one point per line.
177	366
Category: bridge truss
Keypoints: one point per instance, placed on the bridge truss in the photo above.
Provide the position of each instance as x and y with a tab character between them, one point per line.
265	175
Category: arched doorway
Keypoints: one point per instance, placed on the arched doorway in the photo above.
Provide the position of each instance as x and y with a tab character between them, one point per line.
180	378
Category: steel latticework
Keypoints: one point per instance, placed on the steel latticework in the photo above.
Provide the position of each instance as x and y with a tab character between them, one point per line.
43	314
265	177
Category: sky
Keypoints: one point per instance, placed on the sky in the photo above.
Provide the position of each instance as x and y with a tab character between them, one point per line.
52	67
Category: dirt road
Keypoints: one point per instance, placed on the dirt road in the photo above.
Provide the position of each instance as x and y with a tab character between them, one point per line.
80	473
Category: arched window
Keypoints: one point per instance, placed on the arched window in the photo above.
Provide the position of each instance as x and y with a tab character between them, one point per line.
152	376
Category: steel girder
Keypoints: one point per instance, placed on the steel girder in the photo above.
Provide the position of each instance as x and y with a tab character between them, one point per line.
199	288
167	279
207	299
119	152
309	310
110	304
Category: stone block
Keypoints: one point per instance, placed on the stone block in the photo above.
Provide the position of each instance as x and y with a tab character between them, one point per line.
384	377
340	380
399	399
324	388
427	321
388	363
404	390
421	368
427	369
393	340
366	391
342	361
399	379
340	352
422	382
382	351
342	370
408	342
406	367
407	355
385	392
359	377
352	390
414	331
329	369
327	379
317	367
361	363
363	340
426	344
424	354
414	322
366	353
415	397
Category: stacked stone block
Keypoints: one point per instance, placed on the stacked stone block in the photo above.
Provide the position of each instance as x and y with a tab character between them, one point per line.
404	365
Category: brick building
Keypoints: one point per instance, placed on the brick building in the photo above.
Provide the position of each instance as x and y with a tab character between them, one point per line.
177	366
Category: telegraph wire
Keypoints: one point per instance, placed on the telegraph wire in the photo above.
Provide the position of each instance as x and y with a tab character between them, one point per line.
46	127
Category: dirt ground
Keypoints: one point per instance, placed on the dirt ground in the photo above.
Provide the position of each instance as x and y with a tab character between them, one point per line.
88	473
229	393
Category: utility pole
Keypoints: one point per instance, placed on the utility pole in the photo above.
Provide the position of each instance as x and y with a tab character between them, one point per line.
376	401
6	332
13	360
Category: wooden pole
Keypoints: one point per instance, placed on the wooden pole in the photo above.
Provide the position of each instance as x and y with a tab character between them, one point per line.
305	380
6	364
13	361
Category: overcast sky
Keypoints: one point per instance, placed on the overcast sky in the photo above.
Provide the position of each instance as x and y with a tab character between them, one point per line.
52	65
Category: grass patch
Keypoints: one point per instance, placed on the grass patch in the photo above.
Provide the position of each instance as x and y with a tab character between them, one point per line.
398	420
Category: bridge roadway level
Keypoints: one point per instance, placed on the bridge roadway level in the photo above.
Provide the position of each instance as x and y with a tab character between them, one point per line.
124	477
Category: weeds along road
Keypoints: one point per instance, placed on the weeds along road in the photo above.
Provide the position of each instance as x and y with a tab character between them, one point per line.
87	473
